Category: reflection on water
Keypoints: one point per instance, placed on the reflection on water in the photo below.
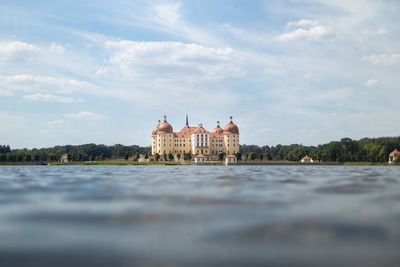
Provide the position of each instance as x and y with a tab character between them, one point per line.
199	216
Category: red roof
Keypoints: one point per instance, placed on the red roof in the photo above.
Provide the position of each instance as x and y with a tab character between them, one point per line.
218	130
216	135
231	157
307	158
394	153
200	156
186	131
201	130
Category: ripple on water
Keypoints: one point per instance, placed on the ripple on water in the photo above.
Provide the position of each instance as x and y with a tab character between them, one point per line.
353	188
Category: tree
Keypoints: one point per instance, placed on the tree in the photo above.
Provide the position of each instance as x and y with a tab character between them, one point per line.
102	156
178	156
238	156
261	157
252	156
165	156
157	157
221	156
170	156
28	157
126	156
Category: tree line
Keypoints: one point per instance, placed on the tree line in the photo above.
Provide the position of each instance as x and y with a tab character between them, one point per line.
87	152
345	150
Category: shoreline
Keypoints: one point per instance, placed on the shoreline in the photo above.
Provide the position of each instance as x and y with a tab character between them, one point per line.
214	163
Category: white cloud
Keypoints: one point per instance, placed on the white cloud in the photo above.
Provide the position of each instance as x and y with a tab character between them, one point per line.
167	13
369	32
52	98
171	61
56	48
313	33
86	115
305	23
16	46
42	84
382	59
371	83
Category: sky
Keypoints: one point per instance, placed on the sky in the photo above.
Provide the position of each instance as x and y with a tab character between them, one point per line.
290	71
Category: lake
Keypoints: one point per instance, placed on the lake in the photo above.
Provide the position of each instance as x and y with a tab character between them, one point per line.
200	216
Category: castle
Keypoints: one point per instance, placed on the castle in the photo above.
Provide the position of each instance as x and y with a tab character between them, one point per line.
195	139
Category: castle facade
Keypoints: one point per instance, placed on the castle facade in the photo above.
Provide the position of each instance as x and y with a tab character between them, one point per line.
195	139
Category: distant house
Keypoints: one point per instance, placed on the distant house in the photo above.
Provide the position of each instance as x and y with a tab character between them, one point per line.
393	156
200	159
230	159
64	158
307	159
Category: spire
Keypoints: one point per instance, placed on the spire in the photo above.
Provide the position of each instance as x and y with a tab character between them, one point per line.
230	119
187	120
165	118
218	124
159	123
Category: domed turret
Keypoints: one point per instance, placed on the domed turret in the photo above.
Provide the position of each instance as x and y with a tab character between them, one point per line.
165	127
231	127
154	132
218	129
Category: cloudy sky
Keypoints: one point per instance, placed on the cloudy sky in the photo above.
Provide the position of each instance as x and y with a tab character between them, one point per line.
294	71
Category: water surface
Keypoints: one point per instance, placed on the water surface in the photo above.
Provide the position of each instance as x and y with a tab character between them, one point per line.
200	216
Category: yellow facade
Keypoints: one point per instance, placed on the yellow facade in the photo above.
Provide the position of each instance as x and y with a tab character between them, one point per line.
195	140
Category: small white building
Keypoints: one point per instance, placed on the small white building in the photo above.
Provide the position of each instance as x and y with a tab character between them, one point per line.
142	158
230	159
307	159
200	159
64	158
393	156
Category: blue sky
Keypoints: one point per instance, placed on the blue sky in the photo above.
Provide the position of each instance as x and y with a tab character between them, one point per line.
75	72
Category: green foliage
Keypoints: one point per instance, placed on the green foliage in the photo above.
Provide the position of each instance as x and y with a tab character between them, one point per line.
170	156
238	156
74	153
375	150
157	157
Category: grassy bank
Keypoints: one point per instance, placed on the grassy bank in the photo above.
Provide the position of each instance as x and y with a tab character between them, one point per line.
362	163
117	163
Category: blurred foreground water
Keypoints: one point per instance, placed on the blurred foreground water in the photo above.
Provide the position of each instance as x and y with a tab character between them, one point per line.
200	216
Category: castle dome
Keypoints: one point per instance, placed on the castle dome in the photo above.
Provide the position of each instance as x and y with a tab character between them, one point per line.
217	129
154	132
165	127
231	128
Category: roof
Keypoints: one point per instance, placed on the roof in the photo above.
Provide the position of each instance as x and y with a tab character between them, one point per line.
306	157
216	135
394	153
186	131
200	156
201	130
231	157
